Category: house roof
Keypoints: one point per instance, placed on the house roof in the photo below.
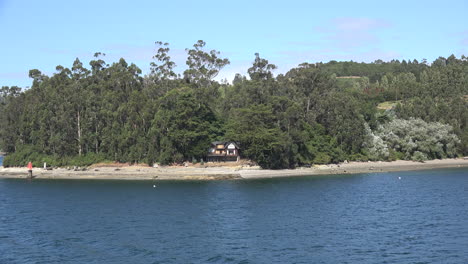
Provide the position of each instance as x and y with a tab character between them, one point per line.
231	142
225	143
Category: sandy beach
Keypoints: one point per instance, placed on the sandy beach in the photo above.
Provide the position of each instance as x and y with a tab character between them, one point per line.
225	172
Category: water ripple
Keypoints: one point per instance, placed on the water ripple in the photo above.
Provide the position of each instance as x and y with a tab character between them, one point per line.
370	218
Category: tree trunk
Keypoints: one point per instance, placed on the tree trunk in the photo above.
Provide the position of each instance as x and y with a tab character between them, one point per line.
97	141
80	150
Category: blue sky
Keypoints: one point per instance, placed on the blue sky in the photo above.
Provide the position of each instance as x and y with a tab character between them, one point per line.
44	34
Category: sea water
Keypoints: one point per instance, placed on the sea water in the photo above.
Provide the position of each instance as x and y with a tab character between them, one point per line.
405	217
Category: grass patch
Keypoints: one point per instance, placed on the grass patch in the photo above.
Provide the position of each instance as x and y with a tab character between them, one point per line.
388	105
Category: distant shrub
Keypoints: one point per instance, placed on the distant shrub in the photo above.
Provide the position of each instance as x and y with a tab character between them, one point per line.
418	139
374	146
322	158
23	155
419	156
28	153
358	157
85	160
395	155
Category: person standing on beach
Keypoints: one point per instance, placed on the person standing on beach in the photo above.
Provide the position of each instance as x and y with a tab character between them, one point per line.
30	167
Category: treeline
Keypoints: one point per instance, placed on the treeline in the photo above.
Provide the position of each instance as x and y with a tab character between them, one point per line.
111	112
377	69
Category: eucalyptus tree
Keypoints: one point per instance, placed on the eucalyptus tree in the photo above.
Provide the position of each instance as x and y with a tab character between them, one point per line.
121	117
96	88
11	108
165	69
77	96
203	67
261	69
162	76
59	113
261	76
310	86
304	116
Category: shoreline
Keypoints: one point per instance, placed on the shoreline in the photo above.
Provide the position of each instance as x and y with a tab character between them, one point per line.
228	173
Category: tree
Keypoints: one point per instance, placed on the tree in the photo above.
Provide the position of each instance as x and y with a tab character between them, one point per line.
79	74
261	69
305	116
260	139
203	66
11	109
162	71
182	127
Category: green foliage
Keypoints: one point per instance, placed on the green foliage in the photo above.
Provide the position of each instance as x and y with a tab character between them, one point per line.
419	156
261	69
28	153
85	160
358	157
395	155
182	127
419	140
261	140
22	156
322	158
316	147
79	116
375	147
203	66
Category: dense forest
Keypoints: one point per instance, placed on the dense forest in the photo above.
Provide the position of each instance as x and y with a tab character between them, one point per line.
314	114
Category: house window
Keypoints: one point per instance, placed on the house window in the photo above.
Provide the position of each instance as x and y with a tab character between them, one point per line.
231	152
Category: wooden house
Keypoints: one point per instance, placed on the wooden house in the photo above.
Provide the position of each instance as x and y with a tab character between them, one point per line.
223	151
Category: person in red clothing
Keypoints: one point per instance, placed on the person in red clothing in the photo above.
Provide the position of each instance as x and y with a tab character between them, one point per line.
30	166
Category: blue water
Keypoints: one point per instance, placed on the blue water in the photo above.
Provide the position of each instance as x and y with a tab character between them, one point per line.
366	218
1	160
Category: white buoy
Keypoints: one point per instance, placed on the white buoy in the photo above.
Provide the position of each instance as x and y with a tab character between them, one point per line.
399	177
154	186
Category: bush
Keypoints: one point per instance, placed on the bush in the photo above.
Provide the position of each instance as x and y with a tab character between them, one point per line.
432	140
395	155
374	146
28	153
25	154
322	158
85	160
419	156
358	157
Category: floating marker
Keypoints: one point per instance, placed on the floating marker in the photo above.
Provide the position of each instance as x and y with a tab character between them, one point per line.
399	177
154	186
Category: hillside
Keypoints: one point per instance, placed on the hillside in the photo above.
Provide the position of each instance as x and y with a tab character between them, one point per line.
314	114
